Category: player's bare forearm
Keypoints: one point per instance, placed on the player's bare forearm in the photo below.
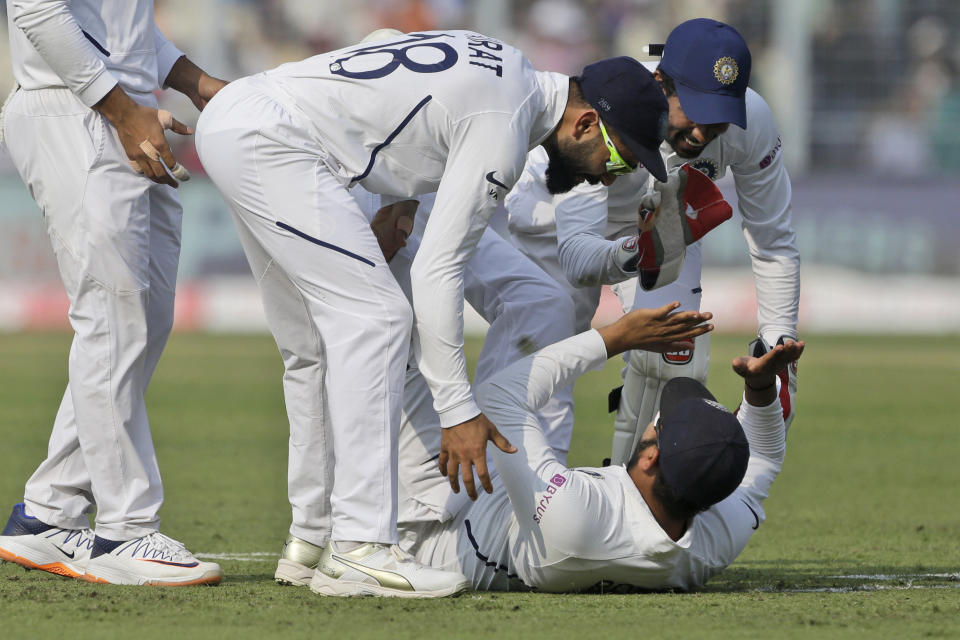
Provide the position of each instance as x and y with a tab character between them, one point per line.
655	330
193	82
760	374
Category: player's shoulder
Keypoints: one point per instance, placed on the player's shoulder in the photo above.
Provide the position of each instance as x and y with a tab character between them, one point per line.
759	139
493	69
760	119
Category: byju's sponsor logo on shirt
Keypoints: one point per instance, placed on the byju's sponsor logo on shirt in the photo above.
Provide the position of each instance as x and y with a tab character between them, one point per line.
556	482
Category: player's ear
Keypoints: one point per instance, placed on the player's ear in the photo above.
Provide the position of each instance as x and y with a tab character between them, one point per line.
586	125
649	459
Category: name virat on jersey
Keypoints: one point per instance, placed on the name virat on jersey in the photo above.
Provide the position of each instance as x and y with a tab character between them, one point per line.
477	45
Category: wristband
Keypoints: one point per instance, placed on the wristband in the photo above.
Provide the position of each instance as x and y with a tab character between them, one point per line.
772	384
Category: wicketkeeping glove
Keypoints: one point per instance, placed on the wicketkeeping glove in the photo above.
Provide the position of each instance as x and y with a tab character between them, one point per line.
667	227
787	375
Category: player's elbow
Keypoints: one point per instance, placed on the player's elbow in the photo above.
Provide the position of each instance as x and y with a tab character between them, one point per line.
495	400
27	14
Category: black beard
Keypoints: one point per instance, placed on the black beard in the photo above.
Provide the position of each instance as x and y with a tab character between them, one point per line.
566	167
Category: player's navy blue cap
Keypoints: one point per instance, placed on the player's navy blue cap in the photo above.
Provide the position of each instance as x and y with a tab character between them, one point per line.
710	65
629	100
703	450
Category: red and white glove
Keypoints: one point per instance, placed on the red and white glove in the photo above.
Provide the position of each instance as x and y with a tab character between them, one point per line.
675	214
788	377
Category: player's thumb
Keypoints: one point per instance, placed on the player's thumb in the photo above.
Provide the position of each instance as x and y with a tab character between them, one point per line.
740	365
501	441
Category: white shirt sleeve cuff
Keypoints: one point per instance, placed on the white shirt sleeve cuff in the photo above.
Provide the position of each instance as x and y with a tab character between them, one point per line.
167	56
466	411
97	88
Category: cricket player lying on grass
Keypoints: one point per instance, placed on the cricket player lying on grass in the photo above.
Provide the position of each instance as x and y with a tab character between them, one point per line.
676	514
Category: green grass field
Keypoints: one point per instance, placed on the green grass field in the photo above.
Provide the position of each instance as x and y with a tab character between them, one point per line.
861	539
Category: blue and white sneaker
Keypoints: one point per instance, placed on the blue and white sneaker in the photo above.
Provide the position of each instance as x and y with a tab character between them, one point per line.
153	559
34	544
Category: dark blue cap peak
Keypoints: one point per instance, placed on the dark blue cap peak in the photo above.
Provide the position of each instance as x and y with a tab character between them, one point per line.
629	100
710	64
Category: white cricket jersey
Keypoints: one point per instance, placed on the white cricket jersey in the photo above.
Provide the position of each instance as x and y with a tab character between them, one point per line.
590	219
558	529
88	46
453	112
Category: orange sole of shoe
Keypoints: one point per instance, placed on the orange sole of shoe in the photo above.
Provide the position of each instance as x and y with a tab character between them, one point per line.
57	568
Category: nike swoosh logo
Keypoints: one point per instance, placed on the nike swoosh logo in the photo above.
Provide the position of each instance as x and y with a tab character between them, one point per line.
756	518
69	555
493	180
171	564
385	578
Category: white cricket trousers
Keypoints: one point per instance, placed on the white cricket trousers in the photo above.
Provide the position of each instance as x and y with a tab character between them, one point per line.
340	320
116	236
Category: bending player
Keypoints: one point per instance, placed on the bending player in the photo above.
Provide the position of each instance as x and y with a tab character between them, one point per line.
452	112
679	512
586	237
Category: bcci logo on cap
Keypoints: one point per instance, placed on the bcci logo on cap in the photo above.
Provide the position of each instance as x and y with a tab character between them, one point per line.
678	357
725	70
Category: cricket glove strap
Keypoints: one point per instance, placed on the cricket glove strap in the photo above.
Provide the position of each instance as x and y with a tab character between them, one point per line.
663	246
787	378
627	255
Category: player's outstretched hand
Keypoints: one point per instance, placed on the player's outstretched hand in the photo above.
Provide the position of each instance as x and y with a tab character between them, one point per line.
141	134
392	225
658	330
463	449
759	372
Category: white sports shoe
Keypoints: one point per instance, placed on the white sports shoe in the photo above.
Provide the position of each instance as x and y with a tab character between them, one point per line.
298	561
374	569
36	545
153	559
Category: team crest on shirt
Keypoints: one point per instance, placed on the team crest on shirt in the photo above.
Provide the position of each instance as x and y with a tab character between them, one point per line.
725	70
678	357
707	166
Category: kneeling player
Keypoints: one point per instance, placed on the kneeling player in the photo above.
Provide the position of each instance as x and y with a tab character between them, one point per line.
678	513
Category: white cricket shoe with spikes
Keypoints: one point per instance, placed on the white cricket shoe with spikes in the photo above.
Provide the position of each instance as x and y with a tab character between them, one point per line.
297	562
36	545
373	569
153	559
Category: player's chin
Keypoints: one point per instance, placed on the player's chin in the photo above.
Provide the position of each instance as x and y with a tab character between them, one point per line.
686	151
683	148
